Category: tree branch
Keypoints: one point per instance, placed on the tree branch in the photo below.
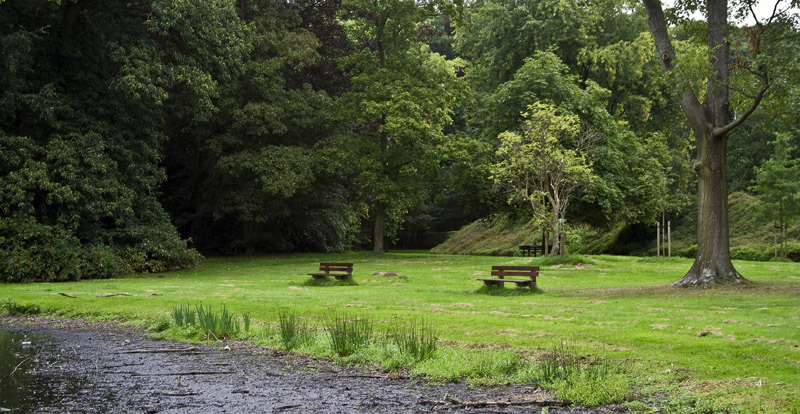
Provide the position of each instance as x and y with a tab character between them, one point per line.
691	106
717	132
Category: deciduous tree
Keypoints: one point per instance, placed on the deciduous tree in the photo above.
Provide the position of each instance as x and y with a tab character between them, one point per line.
709	115
393	118
545	164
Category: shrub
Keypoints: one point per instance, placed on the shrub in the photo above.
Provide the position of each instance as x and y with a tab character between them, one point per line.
689	252
750	252
30	252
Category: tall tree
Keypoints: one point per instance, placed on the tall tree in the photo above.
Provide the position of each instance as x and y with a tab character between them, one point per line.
545	165
393	118
248	183
711	125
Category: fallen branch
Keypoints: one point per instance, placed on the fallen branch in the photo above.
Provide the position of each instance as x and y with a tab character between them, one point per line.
286	407
18	365
187	373
361	376
123	365
115	294
160	350
67	295
176	374
180	394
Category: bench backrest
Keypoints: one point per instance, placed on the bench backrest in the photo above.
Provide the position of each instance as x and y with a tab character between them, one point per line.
336	267
502	271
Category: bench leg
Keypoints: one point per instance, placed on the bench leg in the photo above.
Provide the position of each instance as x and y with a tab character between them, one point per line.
492	283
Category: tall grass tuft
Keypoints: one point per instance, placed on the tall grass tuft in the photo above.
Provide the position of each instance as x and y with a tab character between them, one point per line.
292	330
591	382
218	326
563	362
246	321
183	316
417	340
347	335
213	325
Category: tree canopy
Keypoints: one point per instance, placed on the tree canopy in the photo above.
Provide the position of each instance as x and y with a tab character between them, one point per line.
136	135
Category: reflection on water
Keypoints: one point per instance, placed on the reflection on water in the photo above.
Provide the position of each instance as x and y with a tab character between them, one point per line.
18	389
32	376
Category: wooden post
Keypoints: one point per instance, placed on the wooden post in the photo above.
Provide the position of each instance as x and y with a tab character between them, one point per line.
658	239
669	238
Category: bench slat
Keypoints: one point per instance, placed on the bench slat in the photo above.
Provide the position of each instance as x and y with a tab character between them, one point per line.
534	268
499	273
508	280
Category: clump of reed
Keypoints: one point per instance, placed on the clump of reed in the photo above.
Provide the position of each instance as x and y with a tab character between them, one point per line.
213	325
293	331
348	334
417	339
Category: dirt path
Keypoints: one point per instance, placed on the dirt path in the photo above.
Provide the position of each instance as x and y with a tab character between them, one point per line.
105	368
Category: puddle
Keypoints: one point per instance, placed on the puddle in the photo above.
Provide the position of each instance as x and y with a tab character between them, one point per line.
18	389
33	378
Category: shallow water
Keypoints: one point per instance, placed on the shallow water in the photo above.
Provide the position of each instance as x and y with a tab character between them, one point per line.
19	390
32	376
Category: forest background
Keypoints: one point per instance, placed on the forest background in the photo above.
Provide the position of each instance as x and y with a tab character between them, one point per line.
136	135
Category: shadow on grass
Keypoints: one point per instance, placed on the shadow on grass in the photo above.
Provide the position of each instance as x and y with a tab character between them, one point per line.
502	291
329	282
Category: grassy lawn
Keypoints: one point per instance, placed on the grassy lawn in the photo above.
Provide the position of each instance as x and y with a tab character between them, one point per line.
730	346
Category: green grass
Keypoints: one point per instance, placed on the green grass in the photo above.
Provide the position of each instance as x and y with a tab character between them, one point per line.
683	350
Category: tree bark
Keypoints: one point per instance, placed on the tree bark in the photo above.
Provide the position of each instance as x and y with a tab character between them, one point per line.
709	123
380	232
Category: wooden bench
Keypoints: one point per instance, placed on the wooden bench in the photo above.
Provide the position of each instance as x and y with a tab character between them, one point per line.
340	271
501	272
527	249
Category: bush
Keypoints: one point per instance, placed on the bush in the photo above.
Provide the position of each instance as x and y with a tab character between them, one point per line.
34	252
750	252
689	252
793	251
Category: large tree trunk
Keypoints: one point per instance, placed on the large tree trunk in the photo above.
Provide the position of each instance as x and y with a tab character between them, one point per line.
713	262
711	127
378	236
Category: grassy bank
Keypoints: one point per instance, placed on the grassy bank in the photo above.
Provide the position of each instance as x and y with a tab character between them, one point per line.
685	351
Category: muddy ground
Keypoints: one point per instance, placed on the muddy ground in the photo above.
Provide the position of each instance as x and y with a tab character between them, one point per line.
80	367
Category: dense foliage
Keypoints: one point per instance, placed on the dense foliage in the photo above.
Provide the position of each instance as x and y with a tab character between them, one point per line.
135	134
